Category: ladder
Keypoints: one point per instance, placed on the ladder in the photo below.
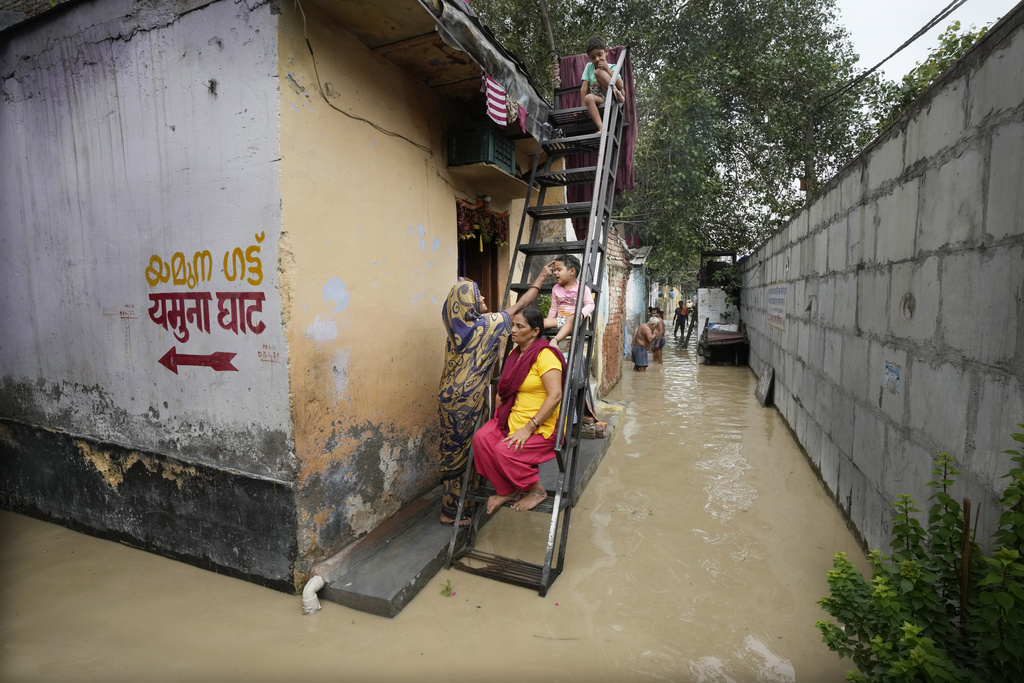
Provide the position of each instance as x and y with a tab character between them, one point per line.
574	132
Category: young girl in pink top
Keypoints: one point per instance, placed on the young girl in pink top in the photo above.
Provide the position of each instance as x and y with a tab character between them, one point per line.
563	297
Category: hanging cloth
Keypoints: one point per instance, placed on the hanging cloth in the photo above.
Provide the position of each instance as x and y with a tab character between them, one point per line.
497	109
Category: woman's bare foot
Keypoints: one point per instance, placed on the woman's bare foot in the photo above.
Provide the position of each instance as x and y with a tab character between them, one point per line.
496	501
531	498
449	521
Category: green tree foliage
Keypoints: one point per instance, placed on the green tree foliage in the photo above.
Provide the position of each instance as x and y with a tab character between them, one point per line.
727	93
736	100
519	25
733	117
937	609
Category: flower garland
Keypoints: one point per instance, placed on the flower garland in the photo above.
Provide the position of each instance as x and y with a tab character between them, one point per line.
476	221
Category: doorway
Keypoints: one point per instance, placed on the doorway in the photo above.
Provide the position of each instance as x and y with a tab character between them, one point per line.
478	260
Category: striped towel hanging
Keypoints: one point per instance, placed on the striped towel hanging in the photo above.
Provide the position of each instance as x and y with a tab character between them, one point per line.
496	107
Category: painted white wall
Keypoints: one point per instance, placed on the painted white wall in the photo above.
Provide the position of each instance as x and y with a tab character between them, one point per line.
130	134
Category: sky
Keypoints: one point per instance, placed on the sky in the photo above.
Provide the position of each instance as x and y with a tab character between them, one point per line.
877	27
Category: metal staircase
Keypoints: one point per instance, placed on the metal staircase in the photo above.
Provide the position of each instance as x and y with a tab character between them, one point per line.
574	132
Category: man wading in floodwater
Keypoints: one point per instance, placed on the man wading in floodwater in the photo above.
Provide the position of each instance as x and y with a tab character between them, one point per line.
641	343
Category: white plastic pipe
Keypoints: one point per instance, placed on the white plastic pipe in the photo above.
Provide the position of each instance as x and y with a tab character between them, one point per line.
310	603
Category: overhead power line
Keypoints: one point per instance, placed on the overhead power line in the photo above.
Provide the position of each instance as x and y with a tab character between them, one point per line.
842	90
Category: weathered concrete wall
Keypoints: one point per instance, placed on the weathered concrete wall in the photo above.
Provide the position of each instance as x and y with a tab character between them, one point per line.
902	333
611	315
369	253
636	301
140	220
103	218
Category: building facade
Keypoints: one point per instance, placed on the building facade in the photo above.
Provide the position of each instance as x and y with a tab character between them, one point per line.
228	231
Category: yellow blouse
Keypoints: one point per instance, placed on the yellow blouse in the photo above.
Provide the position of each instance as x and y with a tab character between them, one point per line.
532	394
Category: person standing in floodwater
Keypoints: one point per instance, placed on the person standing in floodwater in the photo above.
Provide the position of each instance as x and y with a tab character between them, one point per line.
680	318
659	331
642	341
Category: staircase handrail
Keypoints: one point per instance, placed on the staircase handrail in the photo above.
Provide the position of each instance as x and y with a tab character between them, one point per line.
585	276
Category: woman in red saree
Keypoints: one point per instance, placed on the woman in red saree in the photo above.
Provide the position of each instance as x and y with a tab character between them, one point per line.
472	348
508	449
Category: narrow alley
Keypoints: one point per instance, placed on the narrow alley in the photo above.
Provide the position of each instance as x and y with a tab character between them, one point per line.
697	553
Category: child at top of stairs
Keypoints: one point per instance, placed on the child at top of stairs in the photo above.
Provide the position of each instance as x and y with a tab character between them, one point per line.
596	79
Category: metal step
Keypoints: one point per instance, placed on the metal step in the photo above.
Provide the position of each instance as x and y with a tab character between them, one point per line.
576	120
589	142
569	176
507	569
521	287
570	116
554	248
547	506
556	211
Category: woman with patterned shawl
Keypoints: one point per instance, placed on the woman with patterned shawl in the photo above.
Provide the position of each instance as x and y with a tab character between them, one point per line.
473	346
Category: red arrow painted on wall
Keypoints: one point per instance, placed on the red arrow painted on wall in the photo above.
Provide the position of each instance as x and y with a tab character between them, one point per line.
219	361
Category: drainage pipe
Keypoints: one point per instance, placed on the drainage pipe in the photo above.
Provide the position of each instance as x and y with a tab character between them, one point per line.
310	603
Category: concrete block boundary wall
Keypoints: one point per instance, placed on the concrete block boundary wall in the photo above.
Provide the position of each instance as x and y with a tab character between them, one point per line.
902	333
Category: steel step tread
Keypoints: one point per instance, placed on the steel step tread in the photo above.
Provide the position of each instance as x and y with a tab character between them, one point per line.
521	287
570	115
481	493
588	142
577	116
568	176
553	211
568	247
507	569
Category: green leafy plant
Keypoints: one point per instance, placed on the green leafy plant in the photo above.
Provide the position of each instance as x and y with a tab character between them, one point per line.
937	609
731	281
543	302
446	589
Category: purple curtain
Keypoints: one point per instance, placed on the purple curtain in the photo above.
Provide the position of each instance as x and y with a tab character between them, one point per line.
572	72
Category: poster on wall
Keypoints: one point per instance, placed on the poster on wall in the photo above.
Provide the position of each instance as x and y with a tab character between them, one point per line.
777	306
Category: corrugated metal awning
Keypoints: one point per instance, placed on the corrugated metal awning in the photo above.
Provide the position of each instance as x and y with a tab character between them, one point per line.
638	256
442	43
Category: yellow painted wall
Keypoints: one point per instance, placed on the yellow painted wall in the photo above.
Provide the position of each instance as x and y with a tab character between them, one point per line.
368	255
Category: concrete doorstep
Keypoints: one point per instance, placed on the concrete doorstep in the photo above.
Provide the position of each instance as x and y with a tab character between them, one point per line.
381	572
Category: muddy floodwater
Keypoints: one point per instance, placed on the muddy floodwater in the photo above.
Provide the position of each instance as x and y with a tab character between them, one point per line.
697	553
